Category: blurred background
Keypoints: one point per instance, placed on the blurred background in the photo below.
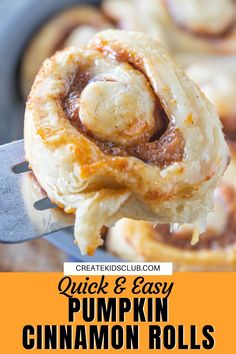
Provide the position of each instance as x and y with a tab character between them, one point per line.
201	35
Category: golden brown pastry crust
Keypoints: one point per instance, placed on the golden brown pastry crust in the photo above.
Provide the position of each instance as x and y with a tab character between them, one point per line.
72	27
89	113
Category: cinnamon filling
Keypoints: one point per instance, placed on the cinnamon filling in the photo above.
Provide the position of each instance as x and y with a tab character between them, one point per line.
164	148
169	148
208	240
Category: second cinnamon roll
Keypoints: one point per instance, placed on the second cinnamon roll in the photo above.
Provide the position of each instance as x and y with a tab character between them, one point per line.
196	26
216	76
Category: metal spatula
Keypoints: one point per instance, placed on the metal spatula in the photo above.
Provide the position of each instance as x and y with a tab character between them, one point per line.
25	211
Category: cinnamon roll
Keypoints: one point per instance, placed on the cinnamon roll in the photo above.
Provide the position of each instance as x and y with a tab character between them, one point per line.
117	129
73	27
216	250
187	25
217	79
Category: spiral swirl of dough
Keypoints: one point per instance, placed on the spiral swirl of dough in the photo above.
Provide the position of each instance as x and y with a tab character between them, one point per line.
117	129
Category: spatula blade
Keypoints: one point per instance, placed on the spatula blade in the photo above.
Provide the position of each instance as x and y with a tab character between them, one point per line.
19	219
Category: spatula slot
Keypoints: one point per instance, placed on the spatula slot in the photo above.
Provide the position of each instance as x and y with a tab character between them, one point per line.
44	204
21	168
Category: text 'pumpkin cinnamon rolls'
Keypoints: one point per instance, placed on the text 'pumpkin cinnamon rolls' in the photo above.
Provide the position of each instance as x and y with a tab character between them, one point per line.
116	130
72	27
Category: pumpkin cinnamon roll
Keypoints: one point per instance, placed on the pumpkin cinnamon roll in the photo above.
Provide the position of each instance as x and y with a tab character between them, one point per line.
217	79
187	25
117	129
72	27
